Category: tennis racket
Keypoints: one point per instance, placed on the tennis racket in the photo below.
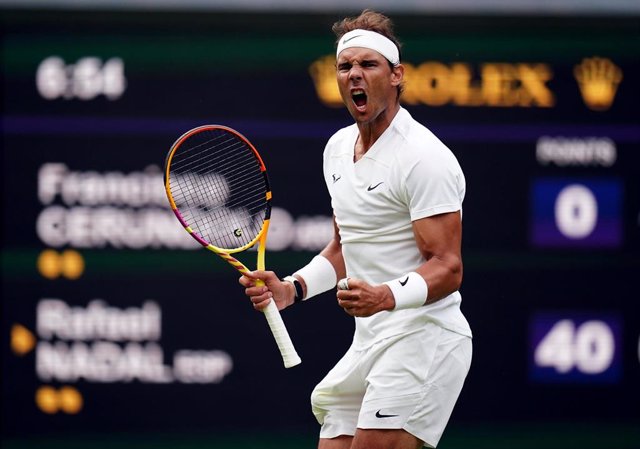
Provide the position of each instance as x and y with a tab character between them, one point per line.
218	188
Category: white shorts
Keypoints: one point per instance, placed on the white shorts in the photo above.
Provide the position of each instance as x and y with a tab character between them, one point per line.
408	382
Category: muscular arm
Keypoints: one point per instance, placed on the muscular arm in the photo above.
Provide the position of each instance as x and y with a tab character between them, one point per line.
439	239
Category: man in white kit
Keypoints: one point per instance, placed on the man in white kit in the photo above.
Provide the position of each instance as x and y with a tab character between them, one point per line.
396	193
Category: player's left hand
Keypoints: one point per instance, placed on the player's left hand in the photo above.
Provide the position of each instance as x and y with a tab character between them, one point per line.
362	299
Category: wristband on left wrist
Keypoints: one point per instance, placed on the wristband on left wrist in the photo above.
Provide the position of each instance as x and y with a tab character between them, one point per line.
409	291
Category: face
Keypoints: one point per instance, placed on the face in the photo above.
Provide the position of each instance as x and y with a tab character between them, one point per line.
367	83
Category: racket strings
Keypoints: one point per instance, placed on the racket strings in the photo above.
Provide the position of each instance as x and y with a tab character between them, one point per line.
219	188
204	158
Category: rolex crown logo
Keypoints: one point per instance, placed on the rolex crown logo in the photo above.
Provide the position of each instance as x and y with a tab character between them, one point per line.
323	72
598	79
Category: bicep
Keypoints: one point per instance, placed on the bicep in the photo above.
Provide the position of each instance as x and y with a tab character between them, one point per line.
439	235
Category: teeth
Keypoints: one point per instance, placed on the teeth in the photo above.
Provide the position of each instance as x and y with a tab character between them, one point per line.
358	92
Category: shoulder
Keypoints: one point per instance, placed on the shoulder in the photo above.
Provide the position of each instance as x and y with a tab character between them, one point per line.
428	172
420	146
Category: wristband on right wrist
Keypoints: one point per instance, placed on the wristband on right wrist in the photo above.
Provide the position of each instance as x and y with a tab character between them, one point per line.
297	288
318	275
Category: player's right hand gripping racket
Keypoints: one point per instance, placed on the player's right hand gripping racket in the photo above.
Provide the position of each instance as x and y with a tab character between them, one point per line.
218	188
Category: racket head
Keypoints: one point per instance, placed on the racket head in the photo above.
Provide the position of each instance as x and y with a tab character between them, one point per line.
218	188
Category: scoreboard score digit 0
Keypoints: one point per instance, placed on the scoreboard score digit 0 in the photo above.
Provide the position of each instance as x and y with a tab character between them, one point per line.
584	213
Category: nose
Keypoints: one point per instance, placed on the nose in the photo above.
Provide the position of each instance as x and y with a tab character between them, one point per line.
355	72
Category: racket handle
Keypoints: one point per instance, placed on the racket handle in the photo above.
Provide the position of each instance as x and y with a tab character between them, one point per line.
279	331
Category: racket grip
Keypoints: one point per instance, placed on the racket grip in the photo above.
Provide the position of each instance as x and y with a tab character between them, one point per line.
279	331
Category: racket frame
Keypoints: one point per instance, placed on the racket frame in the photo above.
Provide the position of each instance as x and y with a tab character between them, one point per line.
287	350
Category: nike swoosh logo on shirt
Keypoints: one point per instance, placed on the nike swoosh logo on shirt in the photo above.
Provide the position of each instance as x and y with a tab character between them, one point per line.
370	188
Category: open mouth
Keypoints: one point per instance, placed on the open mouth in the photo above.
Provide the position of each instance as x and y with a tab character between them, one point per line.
359	98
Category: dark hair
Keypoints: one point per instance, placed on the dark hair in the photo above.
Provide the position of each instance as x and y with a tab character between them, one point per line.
372	21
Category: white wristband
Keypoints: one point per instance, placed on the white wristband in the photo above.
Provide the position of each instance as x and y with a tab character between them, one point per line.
318	275
409	291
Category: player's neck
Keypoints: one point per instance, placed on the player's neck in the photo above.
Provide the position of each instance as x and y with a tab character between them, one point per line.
369	132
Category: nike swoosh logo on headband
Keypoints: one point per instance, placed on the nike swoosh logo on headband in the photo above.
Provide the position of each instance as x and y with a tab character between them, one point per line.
352	37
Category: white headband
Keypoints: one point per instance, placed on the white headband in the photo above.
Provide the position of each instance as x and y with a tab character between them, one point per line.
371	40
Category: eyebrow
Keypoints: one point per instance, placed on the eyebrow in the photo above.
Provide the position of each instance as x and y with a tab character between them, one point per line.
364	61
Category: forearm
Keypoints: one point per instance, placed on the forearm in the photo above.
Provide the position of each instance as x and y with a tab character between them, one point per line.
331	253
443	276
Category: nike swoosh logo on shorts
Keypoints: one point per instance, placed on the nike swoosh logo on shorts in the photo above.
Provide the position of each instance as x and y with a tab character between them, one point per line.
403	283
370	188
380	415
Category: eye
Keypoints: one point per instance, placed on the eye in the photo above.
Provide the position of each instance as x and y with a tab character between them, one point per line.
344	67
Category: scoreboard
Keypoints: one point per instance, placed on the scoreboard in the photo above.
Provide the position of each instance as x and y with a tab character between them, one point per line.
113	318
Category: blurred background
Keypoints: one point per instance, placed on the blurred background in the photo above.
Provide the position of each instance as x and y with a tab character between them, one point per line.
118	331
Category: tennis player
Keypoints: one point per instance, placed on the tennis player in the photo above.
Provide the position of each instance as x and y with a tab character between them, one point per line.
396	192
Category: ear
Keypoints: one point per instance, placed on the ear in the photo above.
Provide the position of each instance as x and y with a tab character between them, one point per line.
397	75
